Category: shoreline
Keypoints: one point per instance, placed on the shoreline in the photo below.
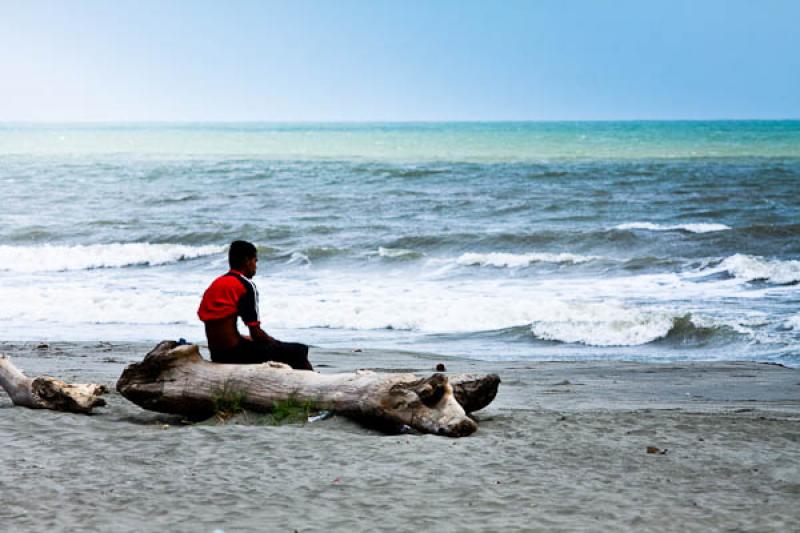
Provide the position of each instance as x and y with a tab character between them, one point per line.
562	447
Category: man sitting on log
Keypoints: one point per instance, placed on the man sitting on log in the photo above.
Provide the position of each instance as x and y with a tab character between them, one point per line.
234	295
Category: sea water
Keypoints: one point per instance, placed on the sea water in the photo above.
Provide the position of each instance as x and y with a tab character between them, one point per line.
521	241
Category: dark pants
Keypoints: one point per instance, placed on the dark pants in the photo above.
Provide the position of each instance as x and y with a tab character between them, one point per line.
248	352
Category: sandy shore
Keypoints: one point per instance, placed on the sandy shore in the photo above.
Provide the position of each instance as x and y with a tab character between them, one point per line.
563	447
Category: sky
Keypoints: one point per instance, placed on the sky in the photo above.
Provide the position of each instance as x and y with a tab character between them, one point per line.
374	60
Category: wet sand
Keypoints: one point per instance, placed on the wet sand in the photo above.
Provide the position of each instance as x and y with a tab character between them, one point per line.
563	447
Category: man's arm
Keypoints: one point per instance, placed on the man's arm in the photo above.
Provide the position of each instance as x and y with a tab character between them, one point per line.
259	335
248	310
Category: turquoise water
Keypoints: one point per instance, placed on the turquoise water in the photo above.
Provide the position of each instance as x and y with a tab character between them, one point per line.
415	142
627	240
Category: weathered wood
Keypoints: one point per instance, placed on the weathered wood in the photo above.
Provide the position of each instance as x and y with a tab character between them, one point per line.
176	379
45	392
474	391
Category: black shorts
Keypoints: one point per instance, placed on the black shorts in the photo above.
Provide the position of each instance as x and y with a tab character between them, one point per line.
248	352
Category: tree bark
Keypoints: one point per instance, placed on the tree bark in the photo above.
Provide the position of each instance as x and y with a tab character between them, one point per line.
176	379
45	392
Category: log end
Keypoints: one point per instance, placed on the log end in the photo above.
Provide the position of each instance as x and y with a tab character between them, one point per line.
166	355
143	383
474	391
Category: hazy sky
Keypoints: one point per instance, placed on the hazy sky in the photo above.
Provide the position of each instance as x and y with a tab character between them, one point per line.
141	60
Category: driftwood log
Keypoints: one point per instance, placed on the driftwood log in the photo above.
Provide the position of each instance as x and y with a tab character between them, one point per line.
176	379
45	392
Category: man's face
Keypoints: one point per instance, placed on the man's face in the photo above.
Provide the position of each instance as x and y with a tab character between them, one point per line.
249	269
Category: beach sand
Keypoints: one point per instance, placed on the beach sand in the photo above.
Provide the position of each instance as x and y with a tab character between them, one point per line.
563	447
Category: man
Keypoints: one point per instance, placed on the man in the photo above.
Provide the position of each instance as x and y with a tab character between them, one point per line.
234	295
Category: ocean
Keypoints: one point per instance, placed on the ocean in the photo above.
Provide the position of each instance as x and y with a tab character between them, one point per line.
646	241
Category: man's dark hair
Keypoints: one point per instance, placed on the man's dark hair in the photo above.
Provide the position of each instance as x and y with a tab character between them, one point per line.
240	252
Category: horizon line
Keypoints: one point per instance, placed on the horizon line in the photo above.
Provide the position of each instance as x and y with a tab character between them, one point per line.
404	121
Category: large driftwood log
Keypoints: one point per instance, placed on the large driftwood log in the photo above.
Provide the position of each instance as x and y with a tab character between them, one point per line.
45	392
176	379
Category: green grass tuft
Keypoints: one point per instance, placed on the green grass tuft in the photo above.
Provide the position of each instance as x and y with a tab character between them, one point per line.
289	411
228	401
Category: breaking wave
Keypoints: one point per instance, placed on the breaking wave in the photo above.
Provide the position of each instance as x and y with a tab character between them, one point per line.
431	311
398	253
691	228
52	258
601	324
753	268
508	260
606	325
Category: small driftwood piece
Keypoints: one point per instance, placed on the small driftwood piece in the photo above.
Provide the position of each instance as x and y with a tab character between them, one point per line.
45	392
176	379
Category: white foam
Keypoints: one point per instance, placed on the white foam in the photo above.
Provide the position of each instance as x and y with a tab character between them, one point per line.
508	260
52	258
609	311
794	322
751	268
601	324
99	303
429	307
691	228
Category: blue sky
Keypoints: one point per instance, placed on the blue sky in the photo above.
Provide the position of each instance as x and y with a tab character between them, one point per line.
391	61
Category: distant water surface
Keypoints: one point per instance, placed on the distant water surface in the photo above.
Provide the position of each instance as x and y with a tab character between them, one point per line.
617	240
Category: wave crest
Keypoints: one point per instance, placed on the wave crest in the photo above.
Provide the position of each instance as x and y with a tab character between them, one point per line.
753	268
509	260
691	228
397	253
52	258
600	324
608	325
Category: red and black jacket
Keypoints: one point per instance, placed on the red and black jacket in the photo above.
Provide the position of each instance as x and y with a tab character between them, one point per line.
230	294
